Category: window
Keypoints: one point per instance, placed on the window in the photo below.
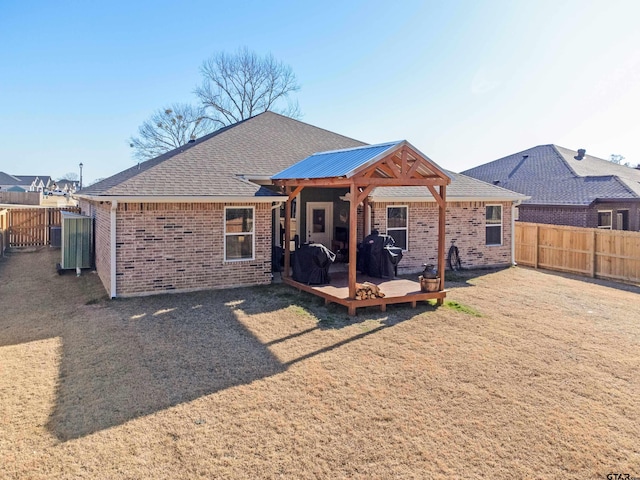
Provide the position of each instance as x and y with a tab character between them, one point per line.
398	225
493	221
604	219
238	233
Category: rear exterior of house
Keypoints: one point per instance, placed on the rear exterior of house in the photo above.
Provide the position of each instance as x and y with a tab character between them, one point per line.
207	216
568	187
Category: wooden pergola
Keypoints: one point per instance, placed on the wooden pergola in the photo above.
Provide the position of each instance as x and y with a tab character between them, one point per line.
399	166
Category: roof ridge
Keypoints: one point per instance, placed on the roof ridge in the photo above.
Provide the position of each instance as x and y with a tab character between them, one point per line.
564	161
309	125
362	147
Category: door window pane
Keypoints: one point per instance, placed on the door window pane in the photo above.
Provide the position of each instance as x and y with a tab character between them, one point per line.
318	220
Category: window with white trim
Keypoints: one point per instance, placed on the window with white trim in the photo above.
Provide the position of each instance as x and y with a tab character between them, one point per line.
238	233
604	219
493	224
398	225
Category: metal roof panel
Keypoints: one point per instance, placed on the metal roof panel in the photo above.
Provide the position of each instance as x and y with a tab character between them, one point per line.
335	163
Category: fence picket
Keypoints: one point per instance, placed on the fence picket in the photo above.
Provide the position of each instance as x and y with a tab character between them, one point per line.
29	227
610	254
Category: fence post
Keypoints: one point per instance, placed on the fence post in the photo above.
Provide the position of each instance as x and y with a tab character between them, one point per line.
535	251
593	253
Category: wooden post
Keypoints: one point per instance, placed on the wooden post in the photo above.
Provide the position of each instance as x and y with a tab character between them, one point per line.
287	234
353	239
365	213
442	233
593	253
535	249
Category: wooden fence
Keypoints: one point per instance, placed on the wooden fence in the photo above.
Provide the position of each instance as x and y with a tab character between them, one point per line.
4	230
29	227
21	198
609	254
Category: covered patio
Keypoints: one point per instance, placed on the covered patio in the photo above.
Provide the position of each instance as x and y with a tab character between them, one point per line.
361	170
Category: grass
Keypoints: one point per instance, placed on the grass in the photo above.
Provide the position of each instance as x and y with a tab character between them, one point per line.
268	382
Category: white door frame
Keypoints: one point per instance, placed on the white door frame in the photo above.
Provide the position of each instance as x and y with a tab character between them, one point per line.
327	236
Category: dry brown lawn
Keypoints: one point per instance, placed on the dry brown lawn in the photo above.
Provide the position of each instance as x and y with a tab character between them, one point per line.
270	383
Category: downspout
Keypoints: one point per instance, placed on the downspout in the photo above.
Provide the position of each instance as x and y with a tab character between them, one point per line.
114	209
514	205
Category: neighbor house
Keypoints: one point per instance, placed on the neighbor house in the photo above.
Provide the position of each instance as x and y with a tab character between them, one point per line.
208	215
568	187
24	183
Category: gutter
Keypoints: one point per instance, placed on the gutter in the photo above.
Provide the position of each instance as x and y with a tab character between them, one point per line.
114	209
180	199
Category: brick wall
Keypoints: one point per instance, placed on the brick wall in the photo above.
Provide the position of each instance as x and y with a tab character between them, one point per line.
465	224
180	247
101	214
586	217
570	216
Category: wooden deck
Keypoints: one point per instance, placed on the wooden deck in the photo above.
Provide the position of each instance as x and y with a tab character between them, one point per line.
396	290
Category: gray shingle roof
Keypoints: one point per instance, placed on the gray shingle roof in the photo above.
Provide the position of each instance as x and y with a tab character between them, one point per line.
461	188
551	175
6	179
213	165
220	163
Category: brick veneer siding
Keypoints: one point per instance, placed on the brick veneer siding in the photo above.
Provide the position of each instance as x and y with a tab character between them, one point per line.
101	214
180	247
575	216
570	216
465	224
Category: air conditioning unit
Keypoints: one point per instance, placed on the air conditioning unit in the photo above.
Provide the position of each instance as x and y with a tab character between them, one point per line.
76	242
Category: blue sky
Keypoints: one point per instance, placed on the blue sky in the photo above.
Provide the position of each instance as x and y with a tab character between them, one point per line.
465	82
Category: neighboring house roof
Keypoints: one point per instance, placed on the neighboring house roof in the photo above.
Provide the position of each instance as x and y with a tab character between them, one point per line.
551	175
217	164
6	179
30	179
16	188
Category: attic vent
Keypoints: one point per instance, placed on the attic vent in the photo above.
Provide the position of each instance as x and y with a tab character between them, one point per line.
496	182
581	154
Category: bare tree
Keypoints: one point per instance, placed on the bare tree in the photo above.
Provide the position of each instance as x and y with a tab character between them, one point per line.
170	128
72	176
241	85
615	158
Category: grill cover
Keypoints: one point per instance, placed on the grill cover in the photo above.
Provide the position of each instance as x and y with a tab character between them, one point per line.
378	257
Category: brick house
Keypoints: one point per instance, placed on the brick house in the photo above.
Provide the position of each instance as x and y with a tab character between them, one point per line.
568	187
216	226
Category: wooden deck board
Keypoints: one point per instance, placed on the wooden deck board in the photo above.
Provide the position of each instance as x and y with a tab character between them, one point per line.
396	290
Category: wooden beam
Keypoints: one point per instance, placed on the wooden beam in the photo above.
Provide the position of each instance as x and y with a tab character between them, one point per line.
432	166
396	182
442	233
436	196
413	168
365	219
403	157
365	193
353	240
287	234
397	170
295	193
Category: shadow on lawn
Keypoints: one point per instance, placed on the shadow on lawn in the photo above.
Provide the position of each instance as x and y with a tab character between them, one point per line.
139	356
124	359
